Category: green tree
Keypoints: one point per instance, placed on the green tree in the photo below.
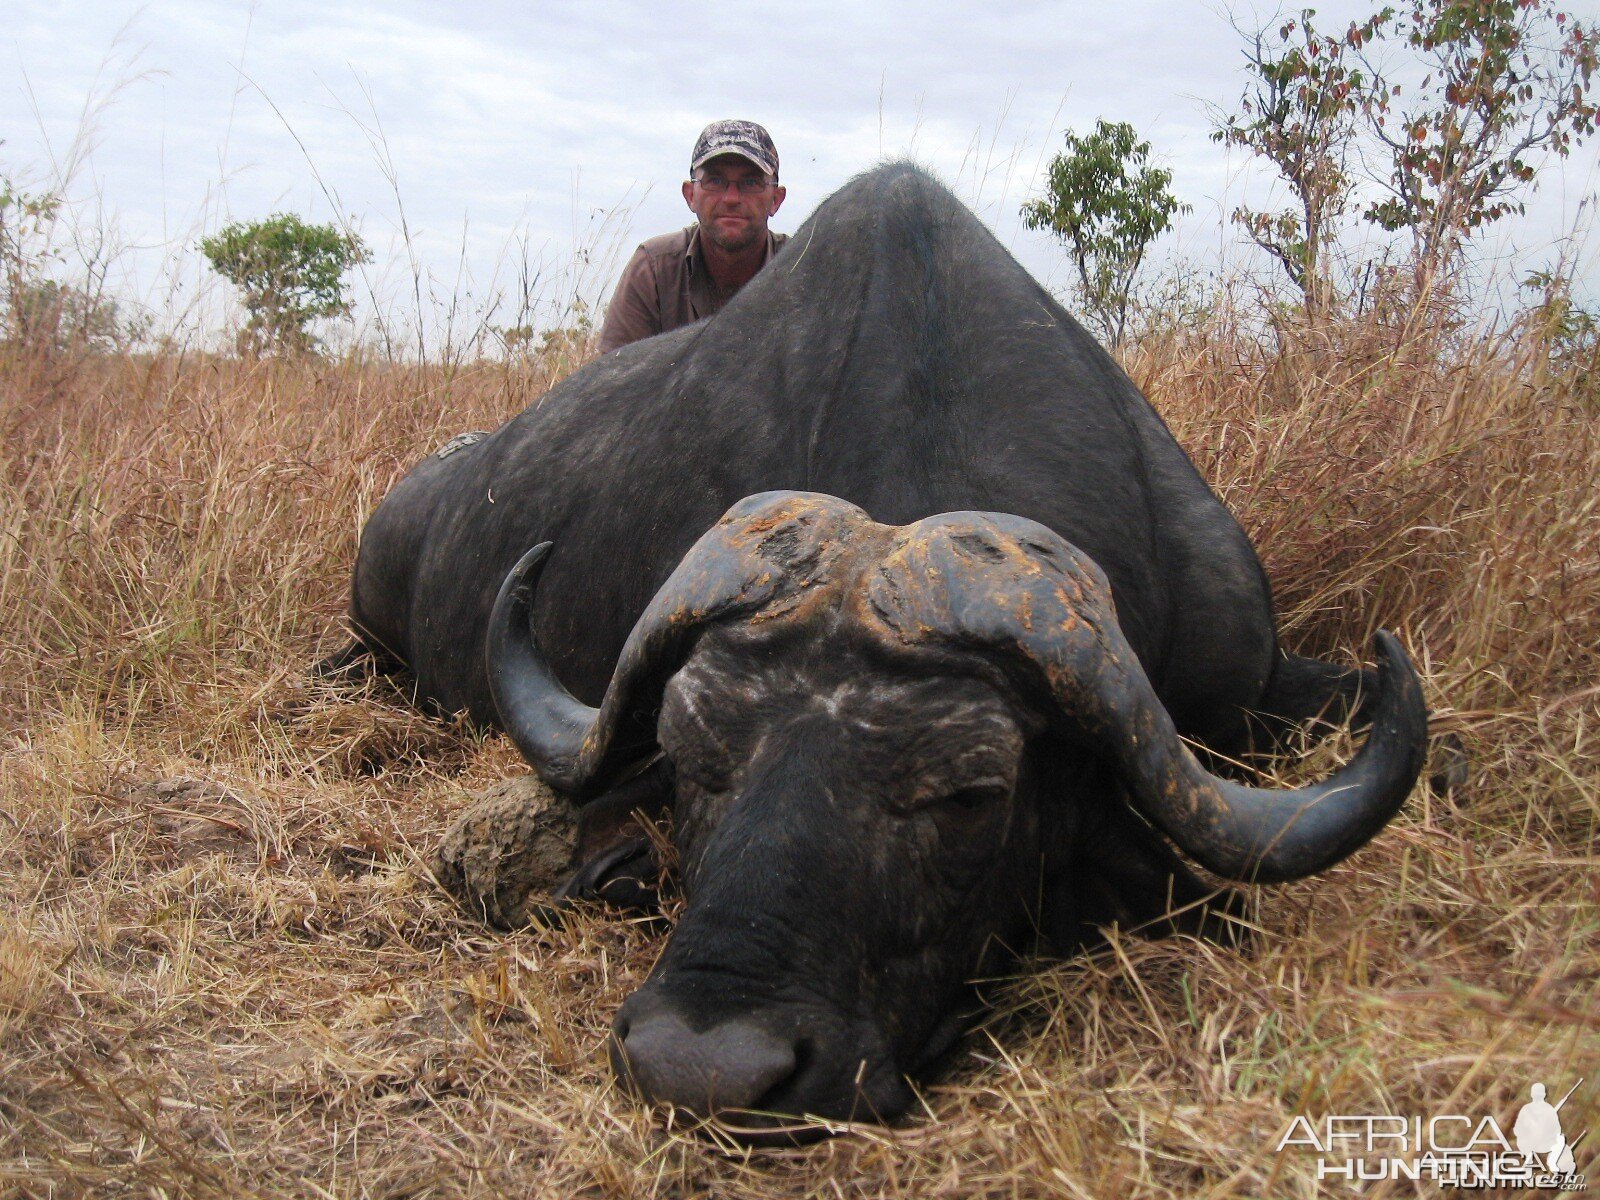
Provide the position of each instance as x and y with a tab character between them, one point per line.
1507	82
1106	206
25	254
289	273
53	317
1568	331
1299	112
38	313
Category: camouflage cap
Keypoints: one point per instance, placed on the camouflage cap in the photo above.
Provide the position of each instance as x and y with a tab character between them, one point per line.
744	138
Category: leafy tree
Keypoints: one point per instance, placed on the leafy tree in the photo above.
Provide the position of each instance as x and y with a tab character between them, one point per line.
25	222
43	314
558	349
1300	113
1569	331
290	274
1106	206
39	313
1506	82
23	219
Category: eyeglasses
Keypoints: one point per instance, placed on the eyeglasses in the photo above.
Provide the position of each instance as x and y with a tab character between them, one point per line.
747	187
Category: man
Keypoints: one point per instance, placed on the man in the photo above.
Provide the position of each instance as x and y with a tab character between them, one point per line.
678	278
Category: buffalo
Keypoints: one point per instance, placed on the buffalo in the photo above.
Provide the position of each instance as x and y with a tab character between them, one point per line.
889	587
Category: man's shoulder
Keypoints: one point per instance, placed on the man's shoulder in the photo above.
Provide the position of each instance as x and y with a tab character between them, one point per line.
667	244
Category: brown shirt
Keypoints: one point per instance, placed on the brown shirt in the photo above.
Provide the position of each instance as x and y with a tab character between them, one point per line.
665	285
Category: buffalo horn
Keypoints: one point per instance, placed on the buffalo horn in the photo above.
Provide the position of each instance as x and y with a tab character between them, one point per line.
546	722
765	554
1033	600
1267	835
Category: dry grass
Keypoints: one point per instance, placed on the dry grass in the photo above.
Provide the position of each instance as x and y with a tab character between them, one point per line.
244	985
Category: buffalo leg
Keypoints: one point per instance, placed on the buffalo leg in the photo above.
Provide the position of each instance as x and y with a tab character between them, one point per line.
355	663
1303	690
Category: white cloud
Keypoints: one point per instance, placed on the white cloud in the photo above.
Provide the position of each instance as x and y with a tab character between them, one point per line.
531	122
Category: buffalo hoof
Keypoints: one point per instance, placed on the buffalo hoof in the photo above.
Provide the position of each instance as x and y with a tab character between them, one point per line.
353	662
506	856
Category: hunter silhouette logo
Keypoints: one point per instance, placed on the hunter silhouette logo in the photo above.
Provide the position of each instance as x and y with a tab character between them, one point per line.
1450	1149
1538	1131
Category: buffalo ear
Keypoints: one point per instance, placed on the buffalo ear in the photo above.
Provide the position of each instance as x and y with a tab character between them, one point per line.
619	843
1107	866
522	853
626	876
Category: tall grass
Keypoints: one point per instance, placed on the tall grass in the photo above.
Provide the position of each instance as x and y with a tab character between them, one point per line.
223	972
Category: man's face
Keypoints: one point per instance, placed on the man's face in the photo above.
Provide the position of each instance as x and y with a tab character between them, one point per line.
732	218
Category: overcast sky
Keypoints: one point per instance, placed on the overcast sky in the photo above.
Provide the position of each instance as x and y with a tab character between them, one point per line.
552	134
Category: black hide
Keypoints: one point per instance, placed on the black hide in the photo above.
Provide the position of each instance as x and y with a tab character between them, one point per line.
894	355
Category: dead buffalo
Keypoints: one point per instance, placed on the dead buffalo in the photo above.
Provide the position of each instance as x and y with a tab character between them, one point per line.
891	586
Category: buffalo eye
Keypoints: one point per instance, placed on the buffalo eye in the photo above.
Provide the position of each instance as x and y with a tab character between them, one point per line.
976	799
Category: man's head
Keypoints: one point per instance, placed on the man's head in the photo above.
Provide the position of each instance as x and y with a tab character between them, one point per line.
733	187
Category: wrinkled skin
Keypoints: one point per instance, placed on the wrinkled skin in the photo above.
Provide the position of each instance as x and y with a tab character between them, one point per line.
852	838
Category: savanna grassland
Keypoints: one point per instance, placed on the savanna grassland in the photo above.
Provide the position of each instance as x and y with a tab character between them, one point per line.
224	970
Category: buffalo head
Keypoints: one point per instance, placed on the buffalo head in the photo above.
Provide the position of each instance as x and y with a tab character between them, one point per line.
897	752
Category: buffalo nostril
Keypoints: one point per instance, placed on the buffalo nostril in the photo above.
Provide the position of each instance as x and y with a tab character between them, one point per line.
728	1066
